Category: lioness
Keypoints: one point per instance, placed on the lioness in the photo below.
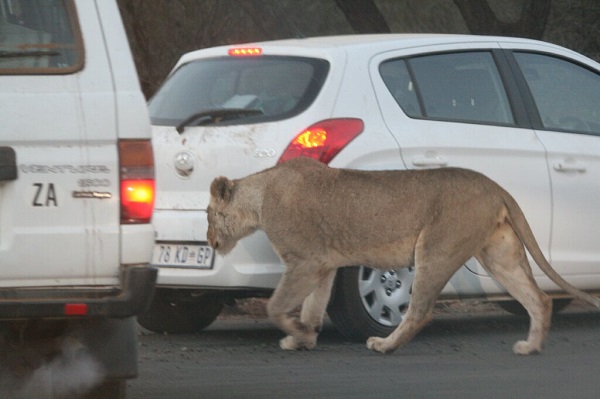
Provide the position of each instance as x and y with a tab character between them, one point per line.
320	218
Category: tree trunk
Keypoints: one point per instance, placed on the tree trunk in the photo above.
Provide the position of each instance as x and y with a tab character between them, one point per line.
363	16
272	23
481	20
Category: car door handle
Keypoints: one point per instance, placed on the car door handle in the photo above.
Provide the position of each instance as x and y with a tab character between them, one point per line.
429	161
8	164
569	167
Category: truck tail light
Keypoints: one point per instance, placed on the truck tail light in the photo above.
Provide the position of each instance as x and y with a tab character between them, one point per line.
323	140
76	309
137	181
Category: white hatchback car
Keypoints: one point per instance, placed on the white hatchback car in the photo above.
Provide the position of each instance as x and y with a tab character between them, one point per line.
526	113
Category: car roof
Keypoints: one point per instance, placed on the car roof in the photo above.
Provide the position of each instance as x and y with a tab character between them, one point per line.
398	40
370	43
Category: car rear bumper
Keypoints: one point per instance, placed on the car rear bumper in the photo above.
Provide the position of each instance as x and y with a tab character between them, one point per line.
252	264
65	302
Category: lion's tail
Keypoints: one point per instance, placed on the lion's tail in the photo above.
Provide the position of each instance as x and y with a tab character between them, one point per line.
523	230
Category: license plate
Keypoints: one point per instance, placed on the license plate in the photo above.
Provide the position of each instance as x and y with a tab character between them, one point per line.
178	254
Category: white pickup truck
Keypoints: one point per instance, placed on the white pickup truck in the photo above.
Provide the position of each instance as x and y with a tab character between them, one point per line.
76	193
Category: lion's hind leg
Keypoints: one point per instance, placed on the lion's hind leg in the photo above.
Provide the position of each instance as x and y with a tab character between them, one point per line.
505	259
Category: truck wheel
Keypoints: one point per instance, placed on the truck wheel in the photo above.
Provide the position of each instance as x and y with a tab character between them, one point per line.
171	313
115	389
367	302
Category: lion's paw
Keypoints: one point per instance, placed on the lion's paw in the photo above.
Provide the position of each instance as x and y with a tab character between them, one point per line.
291	344
288	343
377	344
525	348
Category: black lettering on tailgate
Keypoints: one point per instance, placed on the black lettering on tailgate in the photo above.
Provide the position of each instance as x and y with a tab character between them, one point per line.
45	195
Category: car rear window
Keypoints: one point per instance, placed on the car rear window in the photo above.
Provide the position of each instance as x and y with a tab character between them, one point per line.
268	87
39	37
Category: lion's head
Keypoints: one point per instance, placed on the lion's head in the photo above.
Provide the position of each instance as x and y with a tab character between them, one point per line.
228	220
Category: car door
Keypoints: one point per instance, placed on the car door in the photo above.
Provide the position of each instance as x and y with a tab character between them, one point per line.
567	97
451	108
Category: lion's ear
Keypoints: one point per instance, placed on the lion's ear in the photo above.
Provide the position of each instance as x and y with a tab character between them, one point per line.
222	189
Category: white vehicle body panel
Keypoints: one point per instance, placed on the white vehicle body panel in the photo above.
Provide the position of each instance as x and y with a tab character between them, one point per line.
390	140
59	132
74	252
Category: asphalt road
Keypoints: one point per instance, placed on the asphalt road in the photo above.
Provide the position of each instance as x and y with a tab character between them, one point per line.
457	356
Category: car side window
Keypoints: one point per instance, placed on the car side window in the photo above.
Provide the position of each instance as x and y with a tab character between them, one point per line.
400	84
566	94
463	87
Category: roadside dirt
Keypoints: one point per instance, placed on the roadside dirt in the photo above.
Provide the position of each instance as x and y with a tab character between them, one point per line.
255	308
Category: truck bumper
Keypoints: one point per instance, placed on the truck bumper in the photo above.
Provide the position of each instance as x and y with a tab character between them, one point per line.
134	294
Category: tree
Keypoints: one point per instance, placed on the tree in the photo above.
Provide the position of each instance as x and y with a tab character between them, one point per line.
363	16
160	31
481	20
269	19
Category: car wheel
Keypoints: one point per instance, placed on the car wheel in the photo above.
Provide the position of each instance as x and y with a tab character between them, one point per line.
367	302
517	309
168	312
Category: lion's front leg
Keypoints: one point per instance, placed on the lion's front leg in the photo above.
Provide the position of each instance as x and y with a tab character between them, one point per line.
431	274
315	305
290	343
296	285
408	328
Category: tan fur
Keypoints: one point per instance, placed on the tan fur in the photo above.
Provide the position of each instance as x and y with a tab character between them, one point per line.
319	219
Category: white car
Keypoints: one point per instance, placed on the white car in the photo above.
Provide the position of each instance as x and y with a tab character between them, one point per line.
525	113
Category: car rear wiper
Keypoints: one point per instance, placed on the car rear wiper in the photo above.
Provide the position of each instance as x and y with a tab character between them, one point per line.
216	115
26	54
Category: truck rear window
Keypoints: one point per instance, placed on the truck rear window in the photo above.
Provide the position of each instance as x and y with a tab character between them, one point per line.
262	88
39	37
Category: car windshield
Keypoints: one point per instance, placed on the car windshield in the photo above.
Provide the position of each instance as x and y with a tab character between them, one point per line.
267	87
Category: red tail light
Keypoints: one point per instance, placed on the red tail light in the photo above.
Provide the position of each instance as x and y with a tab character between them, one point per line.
244	51
323	140
137	181
76	309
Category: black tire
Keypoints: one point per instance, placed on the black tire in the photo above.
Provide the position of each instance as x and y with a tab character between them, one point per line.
172	313
378	309
517	309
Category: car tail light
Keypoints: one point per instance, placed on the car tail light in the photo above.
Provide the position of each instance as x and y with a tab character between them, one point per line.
323	140
137	181
244	51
